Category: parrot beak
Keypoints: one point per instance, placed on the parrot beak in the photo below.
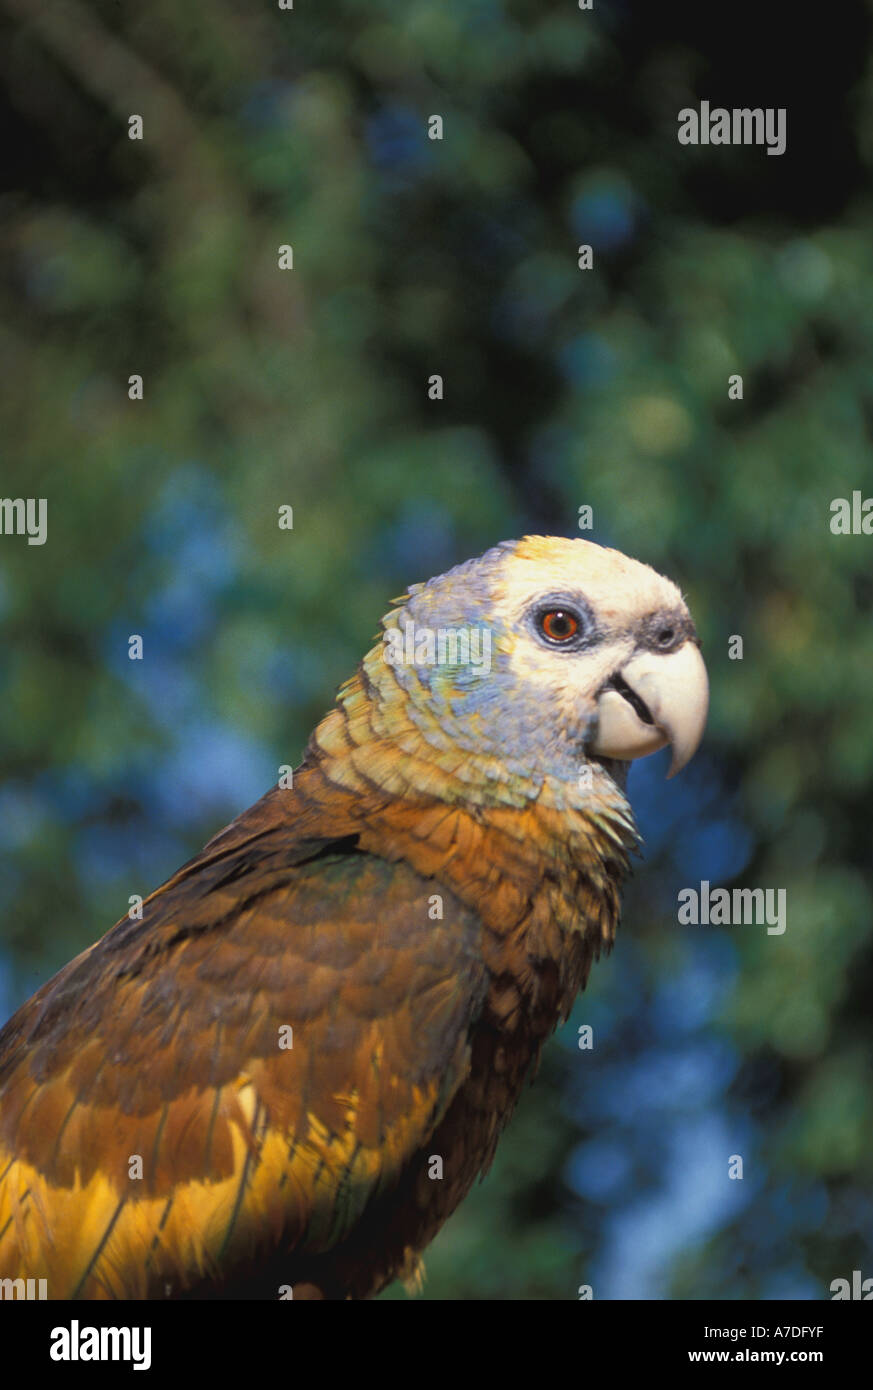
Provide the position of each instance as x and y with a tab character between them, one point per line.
654	700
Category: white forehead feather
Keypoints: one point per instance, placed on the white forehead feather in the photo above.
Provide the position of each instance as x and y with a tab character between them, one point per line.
616	587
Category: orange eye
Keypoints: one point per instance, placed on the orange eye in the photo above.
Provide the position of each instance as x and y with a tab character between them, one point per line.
559	625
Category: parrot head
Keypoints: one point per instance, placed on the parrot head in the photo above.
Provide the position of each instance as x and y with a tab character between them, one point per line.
544	654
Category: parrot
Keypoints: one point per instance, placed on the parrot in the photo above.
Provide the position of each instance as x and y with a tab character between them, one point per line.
280	1078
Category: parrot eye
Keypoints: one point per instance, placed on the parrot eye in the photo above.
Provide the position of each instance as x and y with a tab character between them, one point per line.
562	620
559	624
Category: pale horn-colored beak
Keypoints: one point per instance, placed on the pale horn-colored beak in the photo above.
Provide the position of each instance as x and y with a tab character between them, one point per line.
657	698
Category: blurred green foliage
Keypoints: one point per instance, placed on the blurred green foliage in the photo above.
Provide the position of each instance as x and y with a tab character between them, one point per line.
562	388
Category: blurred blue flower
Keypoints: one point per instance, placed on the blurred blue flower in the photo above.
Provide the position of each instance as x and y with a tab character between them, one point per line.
397	141
598	1170
606	213
587	361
